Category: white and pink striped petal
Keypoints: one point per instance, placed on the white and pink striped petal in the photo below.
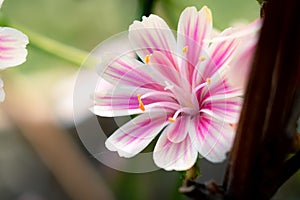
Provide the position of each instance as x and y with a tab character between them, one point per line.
2	93
152	34
12	47
131	138
221	53
177	130
239	65
193	28
227	110
123	101
163	65
129	71
174	156
212	138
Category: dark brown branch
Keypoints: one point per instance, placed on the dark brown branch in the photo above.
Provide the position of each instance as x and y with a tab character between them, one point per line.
289	169
292	165
263	140
209	191
145	8
295	115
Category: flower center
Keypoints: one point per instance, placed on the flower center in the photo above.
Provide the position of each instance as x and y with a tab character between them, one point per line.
187	102
185	110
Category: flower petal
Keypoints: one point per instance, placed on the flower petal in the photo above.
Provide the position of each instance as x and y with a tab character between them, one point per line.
221	53
234	46
217	88
177	131
212	138
199	75
1	2
220	101
239	69
123	101
2	93
12	47
237	33
117	68
174	156
135	135
227	110
152	34
103	86
239	66
164	66
193	28
129	71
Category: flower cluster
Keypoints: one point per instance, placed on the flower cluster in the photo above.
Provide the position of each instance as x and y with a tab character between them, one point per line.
186	90
12	50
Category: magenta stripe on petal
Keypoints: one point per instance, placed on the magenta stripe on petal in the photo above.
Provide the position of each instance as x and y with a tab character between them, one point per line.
174	156
212	138
135	135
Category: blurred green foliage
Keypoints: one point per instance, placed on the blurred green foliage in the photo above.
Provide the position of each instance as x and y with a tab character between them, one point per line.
85	23
78	23
225	13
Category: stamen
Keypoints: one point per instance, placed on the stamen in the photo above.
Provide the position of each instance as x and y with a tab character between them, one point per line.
147	59
202	58
208	80
171	119
187	110
200	86
185	49
208	14
141	105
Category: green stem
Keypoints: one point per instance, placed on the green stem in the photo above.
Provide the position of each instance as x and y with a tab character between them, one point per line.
261	1
145	8
63	51
193	172
169	8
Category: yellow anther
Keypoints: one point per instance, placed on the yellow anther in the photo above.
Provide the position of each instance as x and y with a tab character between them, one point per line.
208	80
171	119
202	58
208	14
147	59
185	49
141	105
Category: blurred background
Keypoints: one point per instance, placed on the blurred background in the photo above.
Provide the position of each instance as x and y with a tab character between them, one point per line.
41	155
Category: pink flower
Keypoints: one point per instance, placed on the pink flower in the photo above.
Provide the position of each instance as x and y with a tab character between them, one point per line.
12	50
180	90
